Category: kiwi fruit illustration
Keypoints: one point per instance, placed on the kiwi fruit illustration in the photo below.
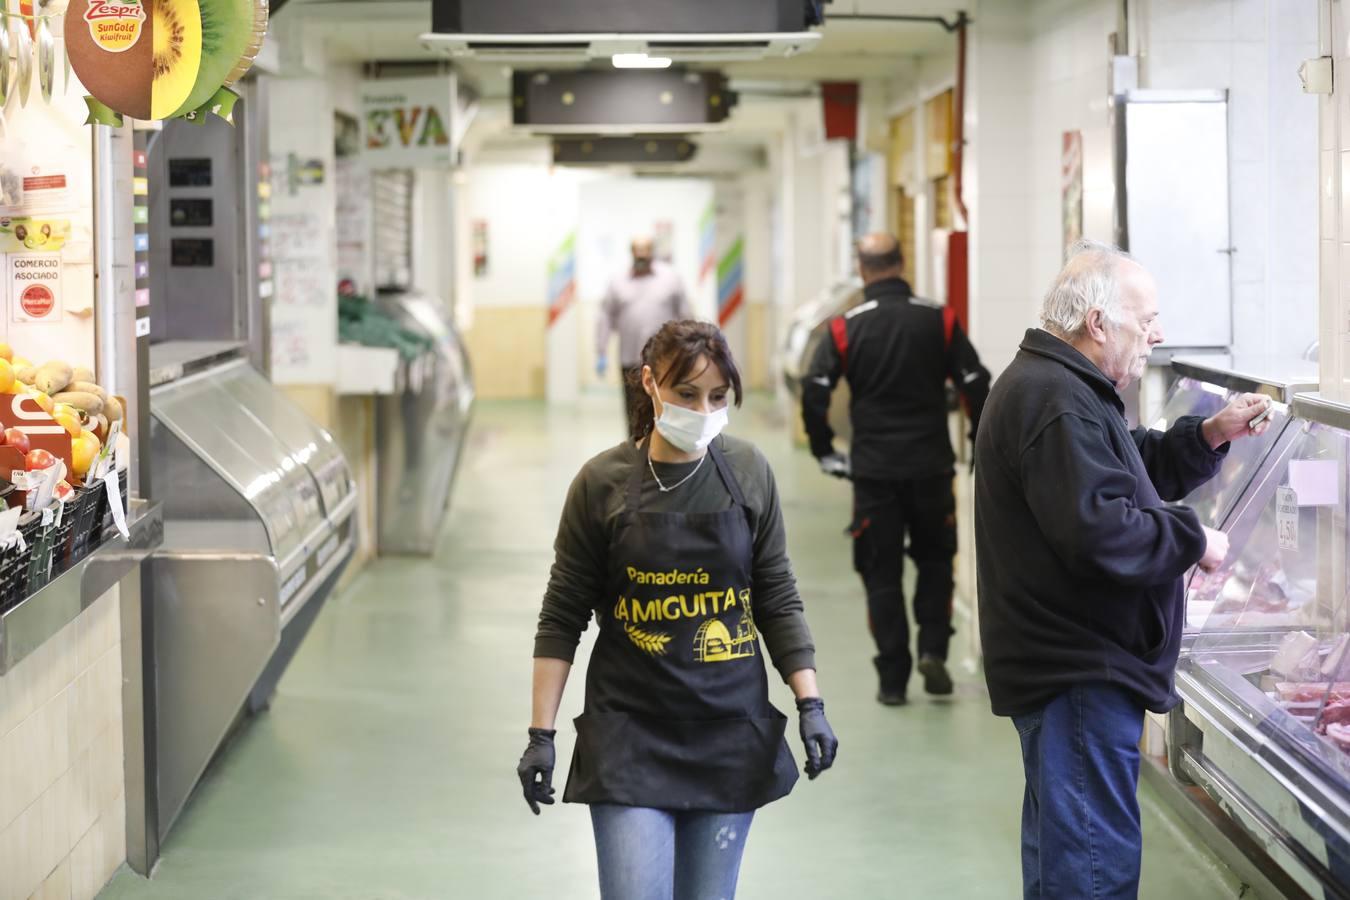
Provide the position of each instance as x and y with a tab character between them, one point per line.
232	32
145	78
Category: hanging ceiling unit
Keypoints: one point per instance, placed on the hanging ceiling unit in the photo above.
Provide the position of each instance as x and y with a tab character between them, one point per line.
599	150
710	31
607	101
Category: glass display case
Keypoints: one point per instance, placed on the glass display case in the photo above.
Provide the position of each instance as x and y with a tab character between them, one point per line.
1264	725
1203	386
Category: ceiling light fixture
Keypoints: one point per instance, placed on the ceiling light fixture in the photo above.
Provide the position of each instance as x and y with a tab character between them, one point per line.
639	61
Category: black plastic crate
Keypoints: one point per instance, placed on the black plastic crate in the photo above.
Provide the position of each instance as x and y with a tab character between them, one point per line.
40	538
85	511
14	564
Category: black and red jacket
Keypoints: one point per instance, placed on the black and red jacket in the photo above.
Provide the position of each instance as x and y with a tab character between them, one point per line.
898	352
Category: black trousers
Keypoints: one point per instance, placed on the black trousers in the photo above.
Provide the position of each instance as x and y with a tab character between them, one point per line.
884	513
633	394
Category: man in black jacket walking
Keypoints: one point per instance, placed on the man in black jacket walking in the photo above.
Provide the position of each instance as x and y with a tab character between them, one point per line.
1081	563
898	353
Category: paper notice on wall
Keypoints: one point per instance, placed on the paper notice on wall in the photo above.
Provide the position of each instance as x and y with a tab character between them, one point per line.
34	281
1286	518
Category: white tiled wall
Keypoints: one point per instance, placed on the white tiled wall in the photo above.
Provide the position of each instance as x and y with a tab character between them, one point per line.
1030	86
1335	216
62	800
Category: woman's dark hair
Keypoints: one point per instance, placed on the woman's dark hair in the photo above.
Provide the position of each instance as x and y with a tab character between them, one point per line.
672	354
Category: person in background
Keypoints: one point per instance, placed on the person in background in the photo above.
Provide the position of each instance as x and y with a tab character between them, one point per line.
898	353
1080	565
637	303
674	541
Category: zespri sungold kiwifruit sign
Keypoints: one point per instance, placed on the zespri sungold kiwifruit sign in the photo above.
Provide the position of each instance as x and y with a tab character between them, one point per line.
160	59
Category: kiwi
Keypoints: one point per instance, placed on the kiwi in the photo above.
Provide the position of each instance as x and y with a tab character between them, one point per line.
232	32
150	71
178	54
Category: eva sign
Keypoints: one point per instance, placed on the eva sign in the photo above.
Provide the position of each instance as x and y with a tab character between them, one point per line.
34	281
407	121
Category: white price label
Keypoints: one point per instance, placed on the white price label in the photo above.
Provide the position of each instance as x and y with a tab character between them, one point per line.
1286	518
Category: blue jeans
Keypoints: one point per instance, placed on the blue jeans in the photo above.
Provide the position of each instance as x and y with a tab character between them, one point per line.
653	854
1081	837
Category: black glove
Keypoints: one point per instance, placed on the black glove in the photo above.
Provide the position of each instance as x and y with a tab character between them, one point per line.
821	744
836	464
536	769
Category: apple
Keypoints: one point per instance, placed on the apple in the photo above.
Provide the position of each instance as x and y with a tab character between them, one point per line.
63	490
38	459
18	439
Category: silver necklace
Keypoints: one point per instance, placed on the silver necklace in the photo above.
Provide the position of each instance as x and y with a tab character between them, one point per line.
667	490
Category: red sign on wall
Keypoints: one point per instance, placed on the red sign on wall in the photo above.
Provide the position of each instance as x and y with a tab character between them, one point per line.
37	300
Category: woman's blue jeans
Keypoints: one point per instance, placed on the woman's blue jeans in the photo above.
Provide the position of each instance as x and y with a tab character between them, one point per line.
1081	836
655	854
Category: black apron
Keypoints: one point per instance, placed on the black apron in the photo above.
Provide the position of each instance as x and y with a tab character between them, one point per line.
677	710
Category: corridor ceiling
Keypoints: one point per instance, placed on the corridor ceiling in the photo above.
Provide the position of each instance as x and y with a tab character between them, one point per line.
851	49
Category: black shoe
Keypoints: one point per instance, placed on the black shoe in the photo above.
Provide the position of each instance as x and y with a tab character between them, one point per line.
936	681
891	698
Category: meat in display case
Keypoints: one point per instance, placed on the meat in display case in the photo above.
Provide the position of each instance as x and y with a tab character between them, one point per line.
1264	724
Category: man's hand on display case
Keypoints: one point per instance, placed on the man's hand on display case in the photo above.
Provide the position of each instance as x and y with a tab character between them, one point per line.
821	744
536	769
1246	414
1216	550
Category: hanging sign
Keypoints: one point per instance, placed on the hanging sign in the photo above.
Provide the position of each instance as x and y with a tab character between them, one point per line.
34	286
406	121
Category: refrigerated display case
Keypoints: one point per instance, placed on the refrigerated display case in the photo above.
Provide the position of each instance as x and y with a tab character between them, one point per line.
421	428
1264	724
258	526
1203	386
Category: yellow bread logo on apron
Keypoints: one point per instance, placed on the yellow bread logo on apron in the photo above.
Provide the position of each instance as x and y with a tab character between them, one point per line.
713	641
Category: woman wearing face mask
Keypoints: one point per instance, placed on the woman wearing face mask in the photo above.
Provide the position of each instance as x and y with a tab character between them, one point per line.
675	542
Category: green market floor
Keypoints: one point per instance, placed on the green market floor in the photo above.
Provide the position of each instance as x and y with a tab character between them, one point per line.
385	769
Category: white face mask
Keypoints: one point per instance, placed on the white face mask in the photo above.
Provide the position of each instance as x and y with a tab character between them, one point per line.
688	430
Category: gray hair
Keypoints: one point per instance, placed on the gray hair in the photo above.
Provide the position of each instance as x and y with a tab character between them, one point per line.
1088	281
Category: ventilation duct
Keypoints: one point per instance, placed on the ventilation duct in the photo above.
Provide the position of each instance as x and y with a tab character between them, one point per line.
515	31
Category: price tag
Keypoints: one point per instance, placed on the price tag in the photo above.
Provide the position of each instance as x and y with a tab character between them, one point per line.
114	492
1286	518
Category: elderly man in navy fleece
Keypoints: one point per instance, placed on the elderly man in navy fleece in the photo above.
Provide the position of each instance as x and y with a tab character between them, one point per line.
1081	563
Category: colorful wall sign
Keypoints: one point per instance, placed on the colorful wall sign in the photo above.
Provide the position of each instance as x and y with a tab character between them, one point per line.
407	121
562	279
